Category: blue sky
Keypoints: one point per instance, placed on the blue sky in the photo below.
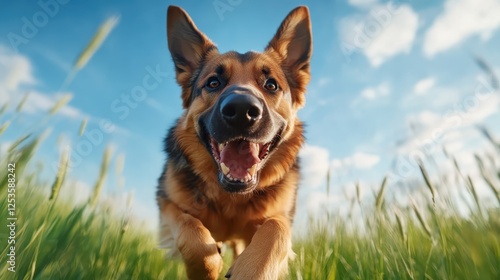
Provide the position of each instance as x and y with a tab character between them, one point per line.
390	80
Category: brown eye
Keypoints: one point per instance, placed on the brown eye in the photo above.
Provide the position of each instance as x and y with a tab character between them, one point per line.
271	85
213	83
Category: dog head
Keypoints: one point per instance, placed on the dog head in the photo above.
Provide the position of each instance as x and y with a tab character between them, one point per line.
240	107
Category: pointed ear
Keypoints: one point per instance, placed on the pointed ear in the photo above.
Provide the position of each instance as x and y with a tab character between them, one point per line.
188	47
292	45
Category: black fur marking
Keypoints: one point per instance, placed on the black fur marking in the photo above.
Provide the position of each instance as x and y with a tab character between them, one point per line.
219	70
196	73
245	57
160	191
266	71
174	154
183	169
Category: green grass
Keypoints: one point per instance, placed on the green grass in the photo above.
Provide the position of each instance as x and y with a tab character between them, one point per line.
456	249
57	240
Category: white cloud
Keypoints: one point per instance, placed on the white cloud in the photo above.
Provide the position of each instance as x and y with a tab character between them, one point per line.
314	165
15	70
424	118
364	161
4	147
358	160
423	86
373	93
387	30
460	20
396	38
41	103
16	79
433	127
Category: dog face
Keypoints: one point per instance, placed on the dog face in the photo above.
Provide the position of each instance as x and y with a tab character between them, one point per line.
240	107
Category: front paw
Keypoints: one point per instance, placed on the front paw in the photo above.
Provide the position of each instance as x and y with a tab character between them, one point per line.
250	267
200	252
203	261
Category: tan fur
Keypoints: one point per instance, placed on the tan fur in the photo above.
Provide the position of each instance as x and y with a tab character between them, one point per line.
192	223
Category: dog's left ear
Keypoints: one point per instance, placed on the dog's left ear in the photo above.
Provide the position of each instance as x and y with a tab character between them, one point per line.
293	46
188	47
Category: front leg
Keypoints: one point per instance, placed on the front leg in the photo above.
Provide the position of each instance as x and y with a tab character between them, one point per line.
199	250
267	255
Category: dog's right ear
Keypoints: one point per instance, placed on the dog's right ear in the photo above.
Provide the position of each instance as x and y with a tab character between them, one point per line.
188	47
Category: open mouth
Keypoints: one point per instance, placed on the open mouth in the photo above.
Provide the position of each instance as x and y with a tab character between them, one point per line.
239	161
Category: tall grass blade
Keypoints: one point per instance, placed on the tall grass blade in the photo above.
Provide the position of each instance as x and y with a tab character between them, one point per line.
18	142
4	127
380	195
487	134
83	125
120	165
358	192
60	103
487	178
491	185
328	182
472	190
401	226
22	102
486	67
102	176
61	174
95	43
445	152
421	219
4	108
428	182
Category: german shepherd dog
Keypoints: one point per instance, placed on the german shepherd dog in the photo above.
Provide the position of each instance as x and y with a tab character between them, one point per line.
232	165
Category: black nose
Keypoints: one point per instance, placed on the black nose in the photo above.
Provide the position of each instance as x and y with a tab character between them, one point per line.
242	110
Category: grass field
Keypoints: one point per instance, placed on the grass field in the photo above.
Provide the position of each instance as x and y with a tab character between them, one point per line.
55	239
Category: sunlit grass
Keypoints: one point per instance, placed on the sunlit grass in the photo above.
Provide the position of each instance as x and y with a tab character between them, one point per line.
58	240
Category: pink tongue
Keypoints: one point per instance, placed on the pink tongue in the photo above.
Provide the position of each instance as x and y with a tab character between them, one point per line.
239	156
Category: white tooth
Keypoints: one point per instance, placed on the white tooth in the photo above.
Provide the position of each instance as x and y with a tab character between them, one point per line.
252	169
225	169
221	146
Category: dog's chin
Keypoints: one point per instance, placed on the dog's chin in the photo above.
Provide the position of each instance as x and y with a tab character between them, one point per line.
237	187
